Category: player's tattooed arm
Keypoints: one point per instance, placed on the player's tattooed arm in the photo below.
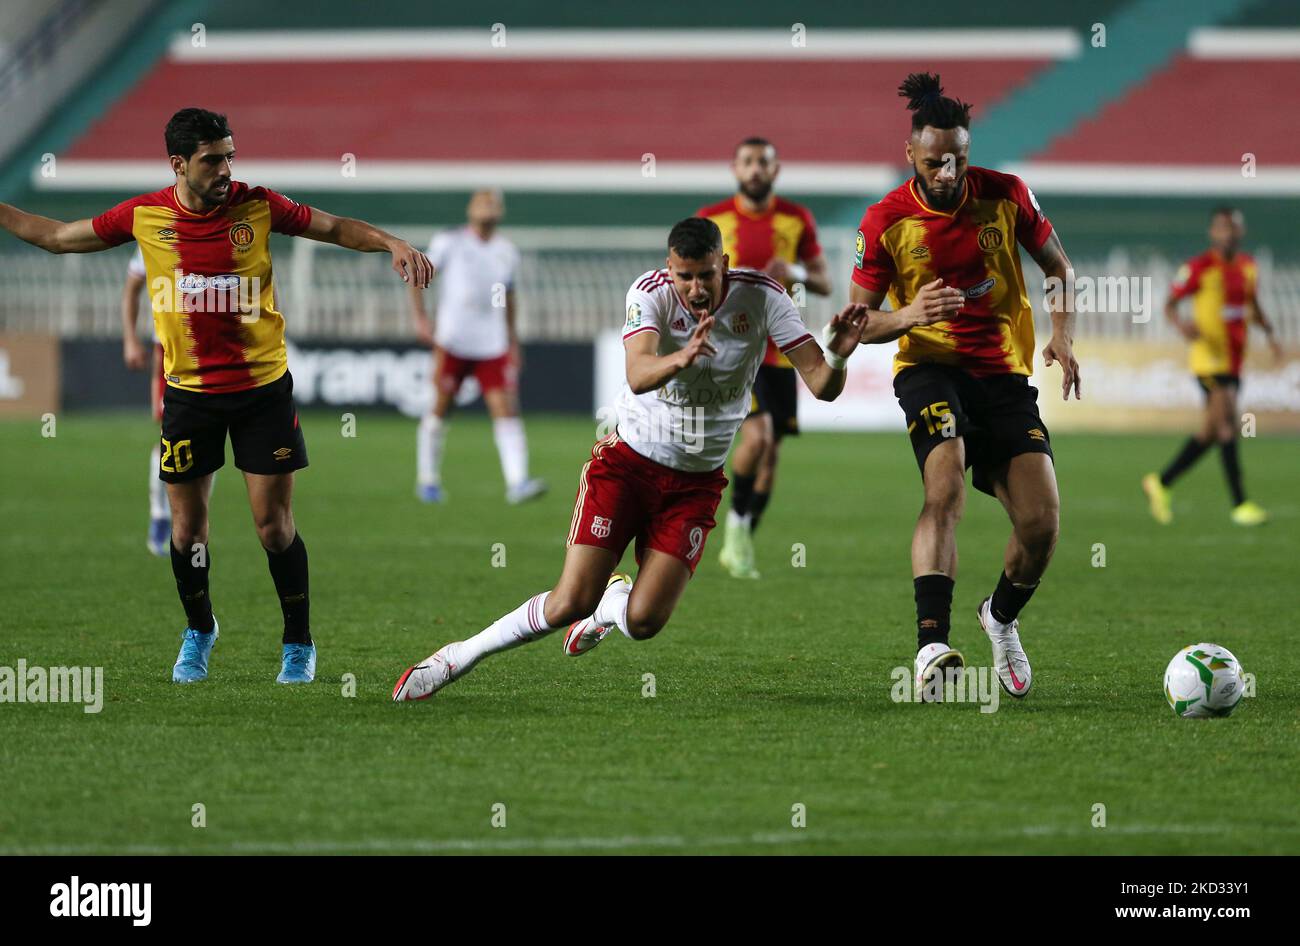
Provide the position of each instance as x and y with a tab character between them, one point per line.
54	236
1051	259
648	370
408	262
934	302
822	380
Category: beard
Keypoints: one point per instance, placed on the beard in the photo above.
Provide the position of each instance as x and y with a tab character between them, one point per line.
757	192
945	202
211	196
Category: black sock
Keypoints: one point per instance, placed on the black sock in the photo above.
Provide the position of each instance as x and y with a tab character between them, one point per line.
933	609
289	572
742	488
757	503
1009	598
1232	470
1191	452
192	586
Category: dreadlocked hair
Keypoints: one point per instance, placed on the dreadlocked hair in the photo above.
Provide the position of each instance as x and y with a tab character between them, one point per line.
929	106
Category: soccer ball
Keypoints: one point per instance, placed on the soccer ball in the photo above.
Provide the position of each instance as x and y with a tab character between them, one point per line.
1203	680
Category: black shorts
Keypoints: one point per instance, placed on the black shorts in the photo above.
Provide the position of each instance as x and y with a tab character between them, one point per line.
775	393
997	416
1209	382
263	425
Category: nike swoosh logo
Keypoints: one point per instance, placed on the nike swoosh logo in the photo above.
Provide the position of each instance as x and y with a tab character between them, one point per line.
1015	681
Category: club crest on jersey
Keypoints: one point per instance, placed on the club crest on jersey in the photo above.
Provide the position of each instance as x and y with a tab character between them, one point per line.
740	323
633	316
990	239
241	235
860	248
601	526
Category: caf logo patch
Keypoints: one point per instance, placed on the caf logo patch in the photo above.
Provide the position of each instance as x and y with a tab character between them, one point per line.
990	239
860	248
241	234
633	316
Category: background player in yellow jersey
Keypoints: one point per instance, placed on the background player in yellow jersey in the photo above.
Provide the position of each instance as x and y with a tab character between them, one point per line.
945	248
205	241
1223	283
763	231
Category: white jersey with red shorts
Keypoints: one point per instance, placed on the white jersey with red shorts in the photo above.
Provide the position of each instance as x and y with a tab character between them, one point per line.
659	477
471	333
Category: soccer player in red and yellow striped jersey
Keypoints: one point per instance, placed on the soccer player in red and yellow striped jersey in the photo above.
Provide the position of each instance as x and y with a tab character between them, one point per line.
1222	283
763	231
944	247
205	241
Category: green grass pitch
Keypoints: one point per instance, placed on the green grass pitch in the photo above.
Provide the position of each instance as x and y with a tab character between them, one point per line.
768	695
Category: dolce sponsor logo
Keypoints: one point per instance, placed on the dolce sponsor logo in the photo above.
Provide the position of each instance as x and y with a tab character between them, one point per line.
102	900
225	293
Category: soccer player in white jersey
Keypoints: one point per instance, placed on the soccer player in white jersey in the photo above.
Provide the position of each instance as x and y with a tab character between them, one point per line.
694	337
133	354
474	334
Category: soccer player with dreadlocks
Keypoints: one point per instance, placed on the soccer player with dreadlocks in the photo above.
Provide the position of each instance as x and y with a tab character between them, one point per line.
946	243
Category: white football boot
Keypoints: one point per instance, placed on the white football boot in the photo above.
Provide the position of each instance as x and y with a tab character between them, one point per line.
586	634
1009	658
932	660
425	679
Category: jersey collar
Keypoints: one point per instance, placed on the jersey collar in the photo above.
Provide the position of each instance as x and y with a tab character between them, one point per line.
965	193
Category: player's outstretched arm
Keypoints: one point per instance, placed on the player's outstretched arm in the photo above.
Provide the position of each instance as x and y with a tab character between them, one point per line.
825	376
648	370
53	236
933	303
408	262
1051	259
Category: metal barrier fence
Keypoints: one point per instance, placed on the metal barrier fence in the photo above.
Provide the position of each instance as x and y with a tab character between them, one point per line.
571	286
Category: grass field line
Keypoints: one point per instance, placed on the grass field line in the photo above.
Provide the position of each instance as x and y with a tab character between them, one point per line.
615	843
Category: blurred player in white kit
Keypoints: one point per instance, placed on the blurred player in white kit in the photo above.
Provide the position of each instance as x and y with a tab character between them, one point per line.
474	333
133	355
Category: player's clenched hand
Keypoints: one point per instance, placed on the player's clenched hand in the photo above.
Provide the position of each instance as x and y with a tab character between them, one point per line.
846	329
698	345
1059	349
412	265
934	303
132	353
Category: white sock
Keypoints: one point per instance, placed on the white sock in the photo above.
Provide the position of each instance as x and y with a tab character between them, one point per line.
513	448
612	609
158	505
525	623
428	450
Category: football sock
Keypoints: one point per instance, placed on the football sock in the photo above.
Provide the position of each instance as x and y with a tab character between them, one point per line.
1191	452
289	572
512	446
1009	598
933	609
1232	470
757	503
742	488
192	586
428	450
158	506
525	623
613	607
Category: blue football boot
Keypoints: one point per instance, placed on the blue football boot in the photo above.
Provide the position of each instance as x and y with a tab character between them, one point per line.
192	661
298	664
